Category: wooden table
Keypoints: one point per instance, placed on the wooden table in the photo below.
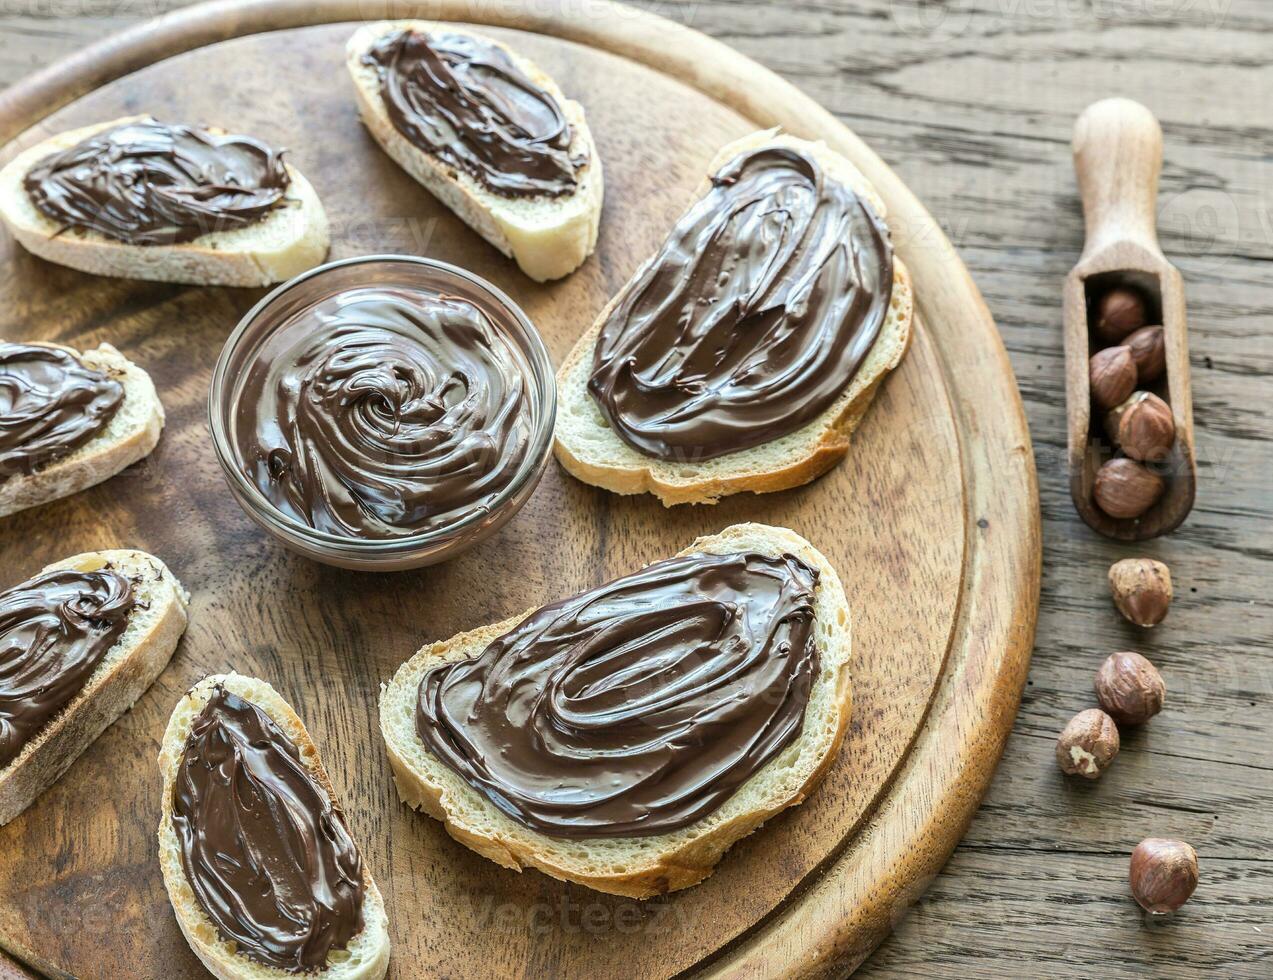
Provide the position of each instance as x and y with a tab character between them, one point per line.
972	102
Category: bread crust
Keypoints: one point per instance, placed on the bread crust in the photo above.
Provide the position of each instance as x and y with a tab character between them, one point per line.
126	672
823	442
217	954
547	237
692	858
282	244
104	455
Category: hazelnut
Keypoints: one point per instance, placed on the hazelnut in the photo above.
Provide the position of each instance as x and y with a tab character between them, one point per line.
1125	488
1146	428
1088	744
1142	590
1164	873
1113	375
1129	688
1112	418
1118	313
1149	351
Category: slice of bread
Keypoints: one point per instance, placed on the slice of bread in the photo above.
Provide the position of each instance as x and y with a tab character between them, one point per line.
638	867
130	435
367	955
128	669
284	243
590	450
548	237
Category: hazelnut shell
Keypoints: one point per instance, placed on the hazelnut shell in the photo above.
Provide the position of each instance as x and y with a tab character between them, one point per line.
1141	588
1112	374
1129	688
1126	488
1149	351
1088	744
1163	874
1118	312
1146	428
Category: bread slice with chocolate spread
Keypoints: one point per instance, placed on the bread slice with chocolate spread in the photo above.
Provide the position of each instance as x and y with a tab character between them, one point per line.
588	447
125	672
366	955
549	236
634	866
290	238
130	435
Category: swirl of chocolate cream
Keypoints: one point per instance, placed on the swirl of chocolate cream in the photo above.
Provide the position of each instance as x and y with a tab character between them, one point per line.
384	412
50	403
54	631
149	183
464	101
637	707
267	854
752	318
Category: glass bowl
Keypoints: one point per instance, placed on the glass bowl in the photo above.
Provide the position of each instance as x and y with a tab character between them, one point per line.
409	551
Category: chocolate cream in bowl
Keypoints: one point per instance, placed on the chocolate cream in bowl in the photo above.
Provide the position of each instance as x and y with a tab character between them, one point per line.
381	412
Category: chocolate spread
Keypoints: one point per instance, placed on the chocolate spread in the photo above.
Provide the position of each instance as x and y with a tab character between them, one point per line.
637	707
462	99
753	316
50	403
381	412
266	852
54	631
149	183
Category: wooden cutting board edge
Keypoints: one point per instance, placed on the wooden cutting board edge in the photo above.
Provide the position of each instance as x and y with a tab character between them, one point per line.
835	921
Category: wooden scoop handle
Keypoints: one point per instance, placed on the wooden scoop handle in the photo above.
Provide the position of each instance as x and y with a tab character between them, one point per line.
1118	157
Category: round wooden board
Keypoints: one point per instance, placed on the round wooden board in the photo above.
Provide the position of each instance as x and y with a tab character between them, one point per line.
932	521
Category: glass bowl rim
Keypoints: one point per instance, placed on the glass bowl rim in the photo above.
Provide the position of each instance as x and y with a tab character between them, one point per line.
536	354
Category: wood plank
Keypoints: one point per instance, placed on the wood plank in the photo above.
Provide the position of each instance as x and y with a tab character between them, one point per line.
974	111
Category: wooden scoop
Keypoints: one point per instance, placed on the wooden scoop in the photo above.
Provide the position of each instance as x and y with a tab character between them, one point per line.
1117	157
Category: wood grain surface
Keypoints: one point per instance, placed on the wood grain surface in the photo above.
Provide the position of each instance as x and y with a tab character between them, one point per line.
973	103
932	525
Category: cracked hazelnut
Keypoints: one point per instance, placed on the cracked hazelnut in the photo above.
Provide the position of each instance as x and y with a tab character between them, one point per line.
1164	873
1149	351
1125	488
1118	313
1112	373
1142	590
1146	428
1129	688
1088	744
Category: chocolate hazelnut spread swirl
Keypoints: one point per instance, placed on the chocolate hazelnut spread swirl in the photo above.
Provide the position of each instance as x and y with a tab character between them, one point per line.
54	631
463	100
753	316
50	403
637	707
150	183
384	412
267	854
